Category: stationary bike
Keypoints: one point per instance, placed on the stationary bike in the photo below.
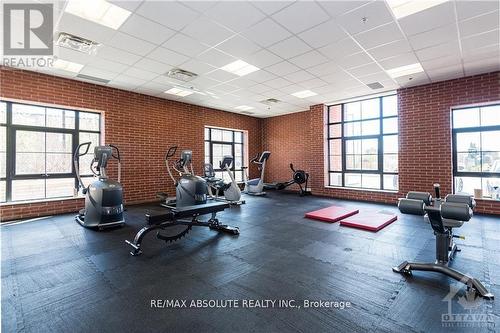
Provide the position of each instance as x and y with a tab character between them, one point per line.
103	197
256	186
231	190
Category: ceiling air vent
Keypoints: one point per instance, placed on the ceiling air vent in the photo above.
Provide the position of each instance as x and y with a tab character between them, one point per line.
92	78
76	43
375	85
270	101
181	74
247	112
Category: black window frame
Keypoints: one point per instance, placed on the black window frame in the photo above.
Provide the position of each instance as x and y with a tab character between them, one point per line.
233	143
11	130
344	139
476	129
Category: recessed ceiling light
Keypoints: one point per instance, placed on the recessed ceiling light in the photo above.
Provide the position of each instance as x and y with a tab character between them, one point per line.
403	8
67	66
405	70
244	107
240	68
98	11
304	94
178	92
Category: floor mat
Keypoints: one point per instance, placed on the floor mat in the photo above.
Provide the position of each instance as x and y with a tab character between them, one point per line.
369	221
331	214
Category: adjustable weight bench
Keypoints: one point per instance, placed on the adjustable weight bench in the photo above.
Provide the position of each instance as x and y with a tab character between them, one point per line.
443	217
181	216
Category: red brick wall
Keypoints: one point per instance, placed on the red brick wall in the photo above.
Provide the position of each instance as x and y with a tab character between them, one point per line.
141	126
424	131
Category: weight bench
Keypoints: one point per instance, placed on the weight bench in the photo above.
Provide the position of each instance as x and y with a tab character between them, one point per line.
443	217
183	216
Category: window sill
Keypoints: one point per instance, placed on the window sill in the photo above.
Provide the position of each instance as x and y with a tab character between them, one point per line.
488	199
15	203
361	189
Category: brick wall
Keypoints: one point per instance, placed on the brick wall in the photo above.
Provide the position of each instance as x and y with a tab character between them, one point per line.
425	155
141	126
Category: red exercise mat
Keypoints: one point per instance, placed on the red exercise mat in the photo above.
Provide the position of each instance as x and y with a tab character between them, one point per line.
331	214
369	221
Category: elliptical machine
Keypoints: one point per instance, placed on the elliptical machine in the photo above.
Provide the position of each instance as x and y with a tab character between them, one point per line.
103	197
231	190
299	177
256	186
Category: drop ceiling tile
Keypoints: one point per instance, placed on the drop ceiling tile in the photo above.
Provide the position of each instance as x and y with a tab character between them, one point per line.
434	37
167	56
489	51
441	62
207	31
171	14
238	47
468	9
337	8
200	6
84	28
129	5
277	83
324	69
323	34
152	66
479	24
299	76
379	36
121	56
399	60
433	17
221	76
482	66
145	29
216	58
140	74
259	89
365	70
380	77
438	51
282	68
289	48
413	80
127	81
131	44
341	78
266	33
446	73
313	83
225	88
242	82
108	65
204	82
390	49
236	15
354	60
300	16
376	14
481	40
74	56
260	76
262	58
309	59
271	7
197	67
185	45
99	73
340	49
156	86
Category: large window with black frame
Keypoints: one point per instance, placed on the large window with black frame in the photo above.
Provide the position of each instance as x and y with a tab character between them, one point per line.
220	142
363	144
36	150
476	150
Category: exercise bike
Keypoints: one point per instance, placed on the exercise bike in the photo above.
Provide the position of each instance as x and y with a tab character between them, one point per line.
103	197
299	177
183	213
256	186
231	190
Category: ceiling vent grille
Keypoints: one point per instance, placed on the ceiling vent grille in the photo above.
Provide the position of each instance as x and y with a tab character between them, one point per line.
270	101
375	85
92	78
247	112
181	74
76	43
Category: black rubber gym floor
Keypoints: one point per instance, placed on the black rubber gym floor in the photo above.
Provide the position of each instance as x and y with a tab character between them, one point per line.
60	277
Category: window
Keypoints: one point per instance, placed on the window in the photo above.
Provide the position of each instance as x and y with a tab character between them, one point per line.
221	142
363	144
36	150
476	149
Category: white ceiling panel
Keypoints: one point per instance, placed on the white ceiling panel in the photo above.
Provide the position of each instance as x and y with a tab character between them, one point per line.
323	34
479	24
111	53
278	83
140	74
221	76
428	19
313	83
324	69
130	5
109	65
266	33
185	45
152	66
260	76
289	48
390	49
439	51
271	7
197	67
98	73
207	31
367	17
283	68
83	28
381	35
355	60
468	9
166	56
483	66
262	58
171	14
200	6
236	15
434	37
204	82
131	44
300	16
216	58
481	40
238	46
399	61
441	62
309	59
365	70
340	49
145	29
299	76
337	8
